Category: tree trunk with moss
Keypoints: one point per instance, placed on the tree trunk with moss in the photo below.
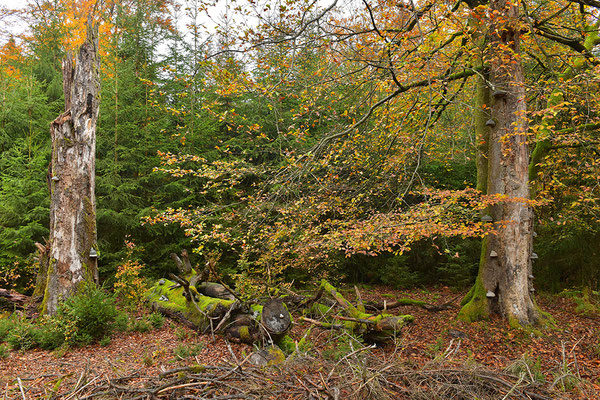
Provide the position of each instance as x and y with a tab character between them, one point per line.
503	285
72	262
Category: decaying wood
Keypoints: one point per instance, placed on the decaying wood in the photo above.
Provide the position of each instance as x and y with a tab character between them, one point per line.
388	305
15	299
73	203
275	318
381	327
43	260
239	321
183	264
211	307
213	289
210	267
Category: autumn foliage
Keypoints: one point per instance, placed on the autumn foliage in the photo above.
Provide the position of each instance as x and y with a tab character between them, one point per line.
295	139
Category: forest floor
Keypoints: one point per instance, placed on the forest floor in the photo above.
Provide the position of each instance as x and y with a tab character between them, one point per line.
431	356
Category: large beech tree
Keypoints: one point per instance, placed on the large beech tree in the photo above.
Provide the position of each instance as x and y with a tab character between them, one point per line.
72	245
504	285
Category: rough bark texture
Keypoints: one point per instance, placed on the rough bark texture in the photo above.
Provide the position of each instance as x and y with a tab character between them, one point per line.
42	273
503	285
376	328
73	204
270	321
183	264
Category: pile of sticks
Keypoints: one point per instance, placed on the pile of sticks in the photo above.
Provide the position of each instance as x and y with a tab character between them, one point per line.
360	374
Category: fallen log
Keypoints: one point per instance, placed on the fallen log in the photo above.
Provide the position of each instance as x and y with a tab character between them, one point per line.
381	327
276	318
240	321
11	299
213	289
388	305
216	308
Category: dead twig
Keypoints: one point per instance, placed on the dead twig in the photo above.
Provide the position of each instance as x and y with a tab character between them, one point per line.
21	388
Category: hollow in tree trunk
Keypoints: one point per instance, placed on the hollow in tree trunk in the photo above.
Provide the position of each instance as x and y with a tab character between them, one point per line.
73	252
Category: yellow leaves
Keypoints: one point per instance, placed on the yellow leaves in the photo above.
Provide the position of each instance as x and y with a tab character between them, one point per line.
129	285
11	56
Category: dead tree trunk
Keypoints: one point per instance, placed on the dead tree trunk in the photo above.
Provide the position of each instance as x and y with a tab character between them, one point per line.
503	285
73	252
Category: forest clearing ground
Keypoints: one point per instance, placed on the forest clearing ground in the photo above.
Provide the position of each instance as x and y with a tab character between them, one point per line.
572	348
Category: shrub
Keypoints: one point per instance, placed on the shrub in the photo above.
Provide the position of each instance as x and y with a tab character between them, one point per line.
156	320
23	335
129	285
183	351
6	325
139	325
82	319
121	322
4	351
87	316
52	333
182	333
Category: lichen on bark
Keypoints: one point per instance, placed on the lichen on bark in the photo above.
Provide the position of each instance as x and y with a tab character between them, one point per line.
503	285
72	205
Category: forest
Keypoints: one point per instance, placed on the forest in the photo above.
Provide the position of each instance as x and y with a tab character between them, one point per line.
300	199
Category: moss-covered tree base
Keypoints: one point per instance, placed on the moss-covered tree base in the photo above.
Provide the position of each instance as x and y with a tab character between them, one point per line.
474	307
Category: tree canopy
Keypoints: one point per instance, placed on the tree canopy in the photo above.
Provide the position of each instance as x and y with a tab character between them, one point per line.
296	139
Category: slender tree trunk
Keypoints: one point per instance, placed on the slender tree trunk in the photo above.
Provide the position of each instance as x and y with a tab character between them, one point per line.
482	131
73	204
503	285
116	113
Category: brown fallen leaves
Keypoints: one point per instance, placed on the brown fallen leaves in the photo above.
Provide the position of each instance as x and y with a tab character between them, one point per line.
437	357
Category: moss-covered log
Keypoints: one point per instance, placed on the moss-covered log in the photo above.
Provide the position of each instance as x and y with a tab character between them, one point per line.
213	289
269	322
388	305
373	327
248	323
9	299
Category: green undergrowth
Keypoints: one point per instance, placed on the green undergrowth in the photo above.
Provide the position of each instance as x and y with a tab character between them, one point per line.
528	368
587	301
183	351
4	351
90	316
